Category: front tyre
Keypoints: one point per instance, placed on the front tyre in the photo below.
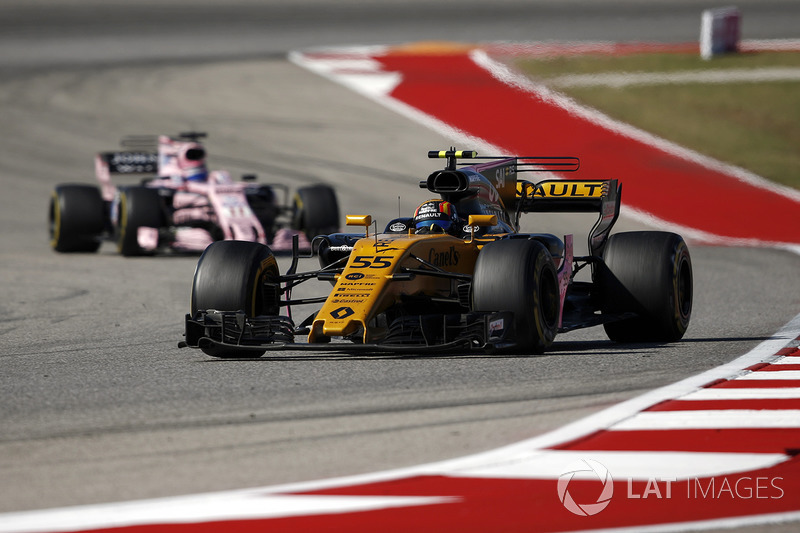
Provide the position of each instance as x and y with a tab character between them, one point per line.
76	218
518	275
138	207
235	276
648	273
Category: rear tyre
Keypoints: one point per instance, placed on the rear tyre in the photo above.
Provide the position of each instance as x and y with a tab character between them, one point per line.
231	276
315	210
138	207
519	276
648	273
76	218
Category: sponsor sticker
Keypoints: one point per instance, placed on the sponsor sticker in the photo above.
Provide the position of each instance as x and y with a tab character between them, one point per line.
342	312
398	226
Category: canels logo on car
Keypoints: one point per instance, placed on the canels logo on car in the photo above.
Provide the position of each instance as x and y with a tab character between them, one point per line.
444	258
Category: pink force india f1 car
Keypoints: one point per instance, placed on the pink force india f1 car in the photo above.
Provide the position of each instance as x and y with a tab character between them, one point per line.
178	205
459	275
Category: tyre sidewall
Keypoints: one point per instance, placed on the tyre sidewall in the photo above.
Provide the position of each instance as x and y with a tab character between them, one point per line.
76	218
137	207
650	274
229	276
518	275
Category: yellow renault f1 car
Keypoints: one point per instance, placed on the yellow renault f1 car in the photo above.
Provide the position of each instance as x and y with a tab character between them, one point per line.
482	286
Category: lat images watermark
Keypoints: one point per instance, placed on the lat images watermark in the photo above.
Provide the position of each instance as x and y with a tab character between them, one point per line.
587	487
580	470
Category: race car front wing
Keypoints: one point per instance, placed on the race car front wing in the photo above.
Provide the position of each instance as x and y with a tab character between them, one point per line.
220	331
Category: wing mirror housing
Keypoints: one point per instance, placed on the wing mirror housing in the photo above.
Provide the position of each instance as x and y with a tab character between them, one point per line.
477	221
360	220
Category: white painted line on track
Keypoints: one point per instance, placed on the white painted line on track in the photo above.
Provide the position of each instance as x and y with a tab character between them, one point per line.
353	64
550	464
361	75
626	79
772	374
790	360
221	506
711	419
778	393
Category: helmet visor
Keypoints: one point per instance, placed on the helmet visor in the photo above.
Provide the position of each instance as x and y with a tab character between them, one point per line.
444	224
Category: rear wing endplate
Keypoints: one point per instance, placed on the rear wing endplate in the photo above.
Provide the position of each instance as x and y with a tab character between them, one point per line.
574	196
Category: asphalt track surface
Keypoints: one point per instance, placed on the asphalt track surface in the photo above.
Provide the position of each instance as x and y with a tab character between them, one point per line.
99	405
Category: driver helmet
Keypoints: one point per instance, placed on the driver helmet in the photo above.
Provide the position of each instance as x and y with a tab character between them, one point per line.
439	213
192	162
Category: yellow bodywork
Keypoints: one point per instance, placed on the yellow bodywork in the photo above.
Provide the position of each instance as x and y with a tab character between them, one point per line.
373	280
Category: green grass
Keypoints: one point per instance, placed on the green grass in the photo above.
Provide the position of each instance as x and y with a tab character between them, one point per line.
751	125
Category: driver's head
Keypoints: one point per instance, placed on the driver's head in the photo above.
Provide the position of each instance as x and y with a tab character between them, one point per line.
436	215
192	162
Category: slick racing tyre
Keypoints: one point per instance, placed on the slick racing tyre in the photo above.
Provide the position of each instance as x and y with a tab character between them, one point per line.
518	275
76	218
235	276
648	273
315	210
138	207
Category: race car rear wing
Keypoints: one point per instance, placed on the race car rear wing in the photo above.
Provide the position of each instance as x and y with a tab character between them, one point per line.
574	196
126	163
130	162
